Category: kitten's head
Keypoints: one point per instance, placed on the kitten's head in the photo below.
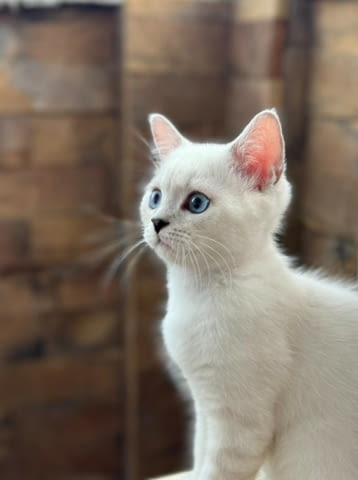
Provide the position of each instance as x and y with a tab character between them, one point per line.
210	205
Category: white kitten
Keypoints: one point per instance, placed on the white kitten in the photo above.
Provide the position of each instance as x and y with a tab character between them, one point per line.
270	353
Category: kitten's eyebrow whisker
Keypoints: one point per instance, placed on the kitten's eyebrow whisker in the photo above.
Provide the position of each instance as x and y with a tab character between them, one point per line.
141	137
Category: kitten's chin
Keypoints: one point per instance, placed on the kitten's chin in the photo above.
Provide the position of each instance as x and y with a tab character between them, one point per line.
165	252
163	249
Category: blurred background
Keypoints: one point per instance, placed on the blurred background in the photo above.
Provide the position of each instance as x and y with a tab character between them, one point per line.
83	392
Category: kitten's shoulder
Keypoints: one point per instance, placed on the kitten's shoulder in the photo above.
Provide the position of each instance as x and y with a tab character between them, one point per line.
319	280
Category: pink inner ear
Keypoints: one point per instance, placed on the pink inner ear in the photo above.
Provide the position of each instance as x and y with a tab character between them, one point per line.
259	151
165	135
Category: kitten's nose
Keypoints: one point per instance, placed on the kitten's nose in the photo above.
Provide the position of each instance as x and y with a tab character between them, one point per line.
159	223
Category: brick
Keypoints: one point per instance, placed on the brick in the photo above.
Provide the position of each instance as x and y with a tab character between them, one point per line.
326	205
166	46
336	254
73	140
14	244
57	140
79	38
60	379
62	88
76	439
187	99
31	86
246	11
9	42
82	290
330	179
6	443
19	333
257	48
332	148
39	72
248	97
32	192
25	300
24	295
206	10
14	142
336	26
12	99
334	79
92	329
60	238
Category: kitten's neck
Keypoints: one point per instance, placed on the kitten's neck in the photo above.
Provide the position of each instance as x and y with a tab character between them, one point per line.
265	262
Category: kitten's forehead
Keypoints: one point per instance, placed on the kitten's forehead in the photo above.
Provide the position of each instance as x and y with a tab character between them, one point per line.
193	163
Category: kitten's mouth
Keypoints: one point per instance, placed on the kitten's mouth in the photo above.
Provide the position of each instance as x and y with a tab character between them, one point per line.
163	244
160	242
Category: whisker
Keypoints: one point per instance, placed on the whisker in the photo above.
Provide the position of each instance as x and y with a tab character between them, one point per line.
195	266
199	250
108	234
132	263
101	253
228	268
113	268
140	137
192	259
93	211
221	245
177	254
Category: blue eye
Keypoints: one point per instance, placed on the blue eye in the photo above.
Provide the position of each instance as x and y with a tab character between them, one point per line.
155	198
197	202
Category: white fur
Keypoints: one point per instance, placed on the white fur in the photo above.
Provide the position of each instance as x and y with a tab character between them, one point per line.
270	353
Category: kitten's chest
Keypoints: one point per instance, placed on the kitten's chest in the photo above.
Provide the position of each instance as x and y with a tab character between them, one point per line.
186	340
194	329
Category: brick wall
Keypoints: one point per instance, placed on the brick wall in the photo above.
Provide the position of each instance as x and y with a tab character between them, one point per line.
329	187
84	393
61	346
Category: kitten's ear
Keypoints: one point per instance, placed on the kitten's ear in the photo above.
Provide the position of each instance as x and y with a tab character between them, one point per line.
259	151
165	136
